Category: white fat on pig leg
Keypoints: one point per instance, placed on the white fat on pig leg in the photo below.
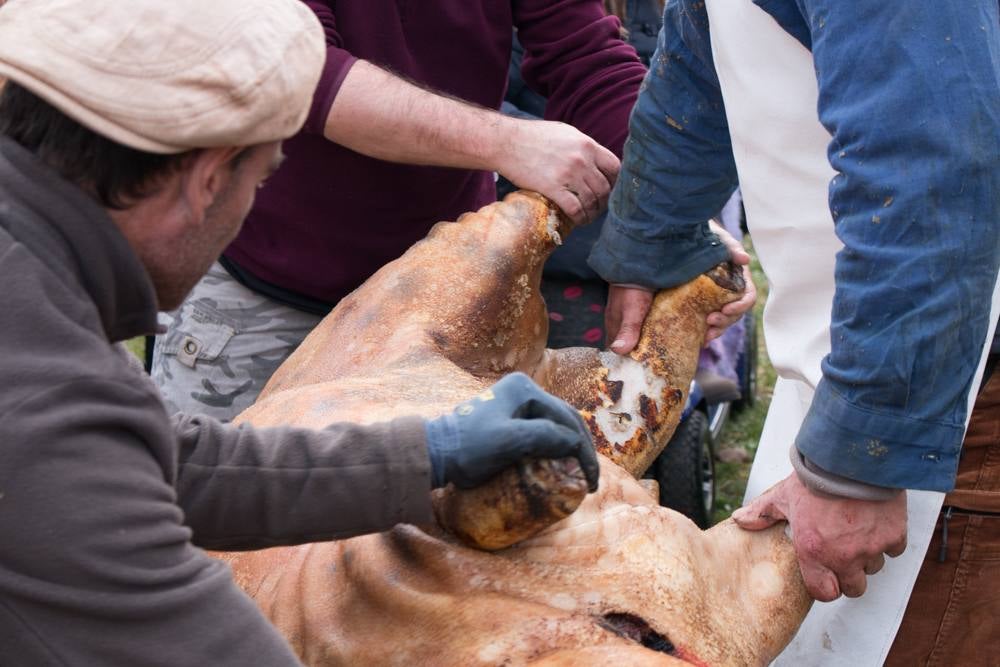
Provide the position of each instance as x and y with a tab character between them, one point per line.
619	420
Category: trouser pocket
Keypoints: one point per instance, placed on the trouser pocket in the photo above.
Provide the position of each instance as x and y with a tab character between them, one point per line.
192	365
198	334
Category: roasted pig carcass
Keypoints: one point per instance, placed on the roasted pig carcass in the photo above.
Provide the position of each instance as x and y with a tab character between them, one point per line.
512	575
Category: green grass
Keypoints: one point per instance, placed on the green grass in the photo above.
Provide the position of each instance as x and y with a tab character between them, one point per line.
743	428
137	346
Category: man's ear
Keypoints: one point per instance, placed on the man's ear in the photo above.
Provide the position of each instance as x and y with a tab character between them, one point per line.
209	174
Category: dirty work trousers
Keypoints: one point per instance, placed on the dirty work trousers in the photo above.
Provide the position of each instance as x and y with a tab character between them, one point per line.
953	617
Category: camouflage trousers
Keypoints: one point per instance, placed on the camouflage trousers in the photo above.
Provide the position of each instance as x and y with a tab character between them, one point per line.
222	345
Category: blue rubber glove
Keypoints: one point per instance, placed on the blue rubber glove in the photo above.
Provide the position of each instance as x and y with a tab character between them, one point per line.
512	420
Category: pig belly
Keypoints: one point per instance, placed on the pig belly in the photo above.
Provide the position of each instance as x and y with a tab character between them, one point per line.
620	581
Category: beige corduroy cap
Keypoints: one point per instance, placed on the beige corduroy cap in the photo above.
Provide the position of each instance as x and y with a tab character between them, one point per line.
166	76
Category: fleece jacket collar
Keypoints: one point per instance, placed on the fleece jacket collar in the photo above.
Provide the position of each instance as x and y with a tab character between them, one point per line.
76	238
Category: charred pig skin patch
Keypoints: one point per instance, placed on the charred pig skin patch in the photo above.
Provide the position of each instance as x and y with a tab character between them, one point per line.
614	390
648	410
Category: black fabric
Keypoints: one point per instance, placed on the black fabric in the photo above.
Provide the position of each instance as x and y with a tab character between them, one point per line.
518	93
643	20
149	345
280	294
576	312
991	365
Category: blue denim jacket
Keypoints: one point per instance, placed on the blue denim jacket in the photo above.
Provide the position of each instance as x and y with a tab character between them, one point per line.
910	92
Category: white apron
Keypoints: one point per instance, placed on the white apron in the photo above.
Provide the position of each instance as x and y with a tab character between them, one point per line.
770	92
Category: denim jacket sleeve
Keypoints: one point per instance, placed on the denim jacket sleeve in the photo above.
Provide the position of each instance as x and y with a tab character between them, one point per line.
910	93
677	169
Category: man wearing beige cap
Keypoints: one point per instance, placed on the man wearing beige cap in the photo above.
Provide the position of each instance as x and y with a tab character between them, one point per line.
133	136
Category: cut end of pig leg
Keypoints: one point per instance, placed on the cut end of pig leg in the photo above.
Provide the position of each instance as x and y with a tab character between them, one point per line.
517	504
728	276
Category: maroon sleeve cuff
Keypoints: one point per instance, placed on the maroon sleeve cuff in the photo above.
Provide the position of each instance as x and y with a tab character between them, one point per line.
338	64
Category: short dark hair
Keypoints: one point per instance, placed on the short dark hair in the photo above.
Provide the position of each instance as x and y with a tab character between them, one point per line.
115	174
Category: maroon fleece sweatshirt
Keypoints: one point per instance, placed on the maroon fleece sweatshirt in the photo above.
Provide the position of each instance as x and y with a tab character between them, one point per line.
331	217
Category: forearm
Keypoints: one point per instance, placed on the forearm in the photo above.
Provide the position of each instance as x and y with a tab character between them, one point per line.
249	488
383	116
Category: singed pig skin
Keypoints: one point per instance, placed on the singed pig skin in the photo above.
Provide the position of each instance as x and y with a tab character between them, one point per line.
618	581
417	596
